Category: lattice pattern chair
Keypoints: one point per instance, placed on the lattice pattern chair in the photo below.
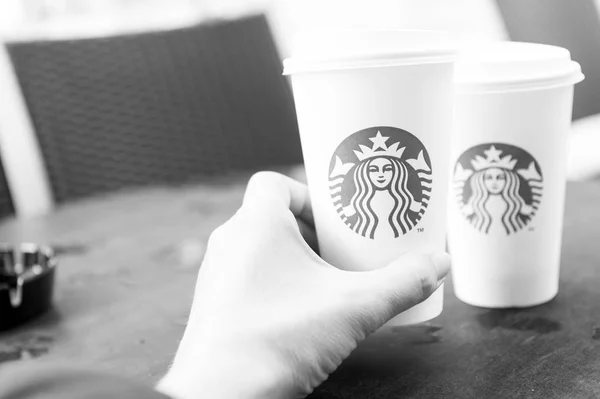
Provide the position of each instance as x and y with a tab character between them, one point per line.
158	107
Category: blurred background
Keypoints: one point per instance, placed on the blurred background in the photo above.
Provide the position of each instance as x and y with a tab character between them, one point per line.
470	19
98	95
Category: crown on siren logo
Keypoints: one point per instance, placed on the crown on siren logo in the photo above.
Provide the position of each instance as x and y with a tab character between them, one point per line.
493	159
379	148
375	167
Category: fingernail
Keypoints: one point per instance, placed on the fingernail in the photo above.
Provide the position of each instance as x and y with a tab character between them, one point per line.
442	262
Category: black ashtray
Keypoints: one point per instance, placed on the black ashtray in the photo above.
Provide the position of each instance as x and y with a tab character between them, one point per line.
26	282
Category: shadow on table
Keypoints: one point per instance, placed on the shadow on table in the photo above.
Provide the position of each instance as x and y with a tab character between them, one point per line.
390	363
30	341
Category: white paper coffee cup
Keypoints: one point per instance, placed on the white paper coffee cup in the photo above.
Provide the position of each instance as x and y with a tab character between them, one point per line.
375	114
512	117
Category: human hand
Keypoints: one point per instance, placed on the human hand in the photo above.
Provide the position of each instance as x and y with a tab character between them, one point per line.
270	318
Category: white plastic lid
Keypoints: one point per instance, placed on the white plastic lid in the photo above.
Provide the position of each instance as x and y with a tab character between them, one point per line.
332	50
507	66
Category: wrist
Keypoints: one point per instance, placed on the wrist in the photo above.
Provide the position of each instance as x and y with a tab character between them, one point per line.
232	372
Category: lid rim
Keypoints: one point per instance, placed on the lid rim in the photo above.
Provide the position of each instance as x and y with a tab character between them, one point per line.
529	84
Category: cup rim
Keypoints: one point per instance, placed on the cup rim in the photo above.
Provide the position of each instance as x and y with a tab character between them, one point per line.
540	83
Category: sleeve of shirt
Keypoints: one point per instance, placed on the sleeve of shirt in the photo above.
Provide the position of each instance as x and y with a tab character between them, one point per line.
30	380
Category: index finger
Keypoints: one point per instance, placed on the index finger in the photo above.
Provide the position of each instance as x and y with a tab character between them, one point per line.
271	188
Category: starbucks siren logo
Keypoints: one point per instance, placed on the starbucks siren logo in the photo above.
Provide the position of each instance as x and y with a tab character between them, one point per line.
498	187
380	181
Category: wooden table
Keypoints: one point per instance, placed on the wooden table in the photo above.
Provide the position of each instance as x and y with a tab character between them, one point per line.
128	268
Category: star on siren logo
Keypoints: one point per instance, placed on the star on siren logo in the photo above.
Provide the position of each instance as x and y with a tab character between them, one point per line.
498	187
380	181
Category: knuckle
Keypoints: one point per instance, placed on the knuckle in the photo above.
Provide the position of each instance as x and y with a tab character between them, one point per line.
227	232
426	277
218	236
244	213
260	191
247	228
263	177
365	295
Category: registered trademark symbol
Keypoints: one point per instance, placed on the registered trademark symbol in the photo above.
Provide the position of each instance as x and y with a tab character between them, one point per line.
420	229
531	229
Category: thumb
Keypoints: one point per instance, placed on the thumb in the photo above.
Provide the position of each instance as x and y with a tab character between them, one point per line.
405	282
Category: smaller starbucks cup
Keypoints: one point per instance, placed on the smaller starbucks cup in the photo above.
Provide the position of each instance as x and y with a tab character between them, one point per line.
375	115
512	117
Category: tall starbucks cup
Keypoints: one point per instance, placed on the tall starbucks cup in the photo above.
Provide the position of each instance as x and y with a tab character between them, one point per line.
375	115
512	119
